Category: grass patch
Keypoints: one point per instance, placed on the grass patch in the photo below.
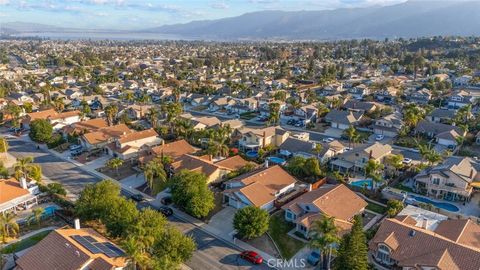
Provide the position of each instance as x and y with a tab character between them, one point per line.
410	142
248	115
377	208
278	231
402	187
25	243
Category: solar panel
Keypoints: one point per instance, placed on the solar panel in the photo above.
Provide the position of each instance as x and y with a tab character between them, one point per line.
86	244
95	247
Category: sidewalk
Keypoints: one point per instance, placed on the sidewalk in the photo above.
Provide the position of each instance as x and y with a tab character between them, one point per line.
238	244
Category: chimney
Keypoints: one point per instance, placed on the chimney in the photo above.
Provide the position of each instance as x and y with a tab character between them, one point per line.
424	223
77	224
310	187
23	183
371	154
471	174
264	138
266	163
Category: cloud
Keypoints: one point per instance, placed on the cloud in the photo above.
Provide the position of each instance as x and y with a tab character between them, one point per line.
219	5
4	2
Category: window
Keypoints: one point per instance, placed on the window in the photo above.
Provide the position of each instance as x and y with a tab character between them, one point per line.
436	181
302	228
291	215
307	207
383	254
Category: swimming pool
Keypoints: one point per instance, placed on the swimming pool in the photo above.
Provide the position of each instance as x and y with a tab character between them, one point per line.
49	210
252	154
444	205
368	183
276	160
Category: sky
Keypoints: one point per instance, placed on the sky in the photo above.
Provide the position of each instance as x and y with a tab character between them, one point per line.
141	14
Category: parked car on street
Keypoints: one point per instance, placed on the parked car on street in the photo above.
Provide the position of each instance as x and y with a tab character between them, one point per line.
379	137
166	211
166	200
137	197
251	256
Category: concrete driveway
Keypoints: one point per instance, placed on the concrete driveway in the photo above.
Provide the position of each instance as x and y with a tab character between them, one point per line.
223	220
333	132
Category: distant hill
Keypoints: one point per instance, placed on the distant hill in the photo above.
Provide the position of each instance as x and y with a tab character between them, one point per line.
17	27
409	19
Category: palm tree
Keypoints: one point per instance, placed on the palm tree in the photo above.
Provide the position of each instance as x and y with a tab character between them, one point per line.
136	251
36	215
183	128
23	167
351	134
323	236
218	148
111	111
114	164
153	116
59	105
9	225
395	161
3	146
155	175
373	169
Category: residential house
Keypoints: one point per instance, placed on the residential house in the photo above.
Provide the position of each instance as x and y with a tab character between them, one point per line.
101	137
360	106
463	80
234	163
221	103
422	96
389	125
203	164
336	201
83	127
387	95
73	249
439	115
254	139
343	119
444	134
460	98
452	180
258	188
401	244
127	146
173	150
308	113
354	161
359	91
57	120
204	122
14	194
296	147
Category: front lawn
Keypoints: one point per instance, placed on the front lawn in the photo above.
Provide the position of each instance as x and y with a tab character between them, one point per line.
402	187
25	243
278	230
377	208
248	115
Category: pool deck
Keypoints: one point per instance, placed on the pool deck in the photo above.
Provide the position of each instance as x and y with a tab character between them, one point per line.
469	209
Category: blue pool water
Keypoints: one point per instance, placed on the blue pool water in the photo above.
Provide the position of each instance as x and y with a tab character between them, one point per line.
447	206
252	154
49	210
362	183
276	160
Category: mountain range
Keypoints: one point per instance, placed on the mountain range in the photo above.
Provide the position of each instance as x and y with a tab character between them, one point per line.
408	19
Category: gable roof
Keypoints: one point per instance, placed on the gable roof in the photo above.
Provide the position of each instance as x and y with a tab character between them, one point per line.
262	185
420	247
425	126
233	163
59	251
105	134
10	189
335	201
174	149
137	135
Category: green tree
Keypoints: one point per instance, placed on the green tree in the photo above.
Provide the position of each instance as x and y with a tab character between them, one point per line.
36	215
274	113
9	226
95	199
120	216
171	249
394	207
373	169
251	222
155	175
111	113
56	188
3	146
323	235
353	250
352	135
312	167
190	191
114	164
40	130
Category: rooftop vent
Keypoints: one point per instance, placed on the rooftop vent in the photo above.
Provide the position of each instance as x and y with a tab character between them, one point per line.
412	233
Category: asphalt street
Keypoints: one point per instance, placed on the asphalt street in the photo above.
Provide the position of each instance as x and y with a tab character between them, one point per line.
212	253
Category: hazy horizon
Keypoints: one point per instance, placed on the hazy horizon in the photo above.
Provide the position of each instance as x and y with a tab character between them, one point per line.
137	14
